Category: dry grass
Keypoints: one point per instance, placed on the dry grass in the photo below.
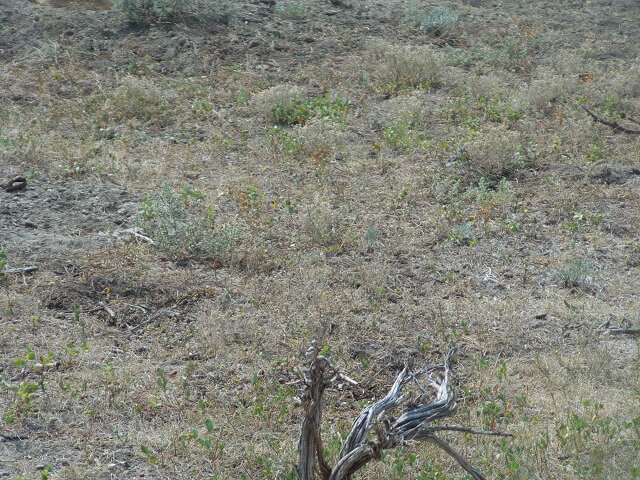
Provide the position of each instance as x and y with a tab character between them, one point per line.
388	198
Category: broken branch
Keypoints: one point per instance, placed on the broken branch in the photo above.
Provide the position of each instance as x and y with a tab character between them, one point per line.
615	125
22	270
375	429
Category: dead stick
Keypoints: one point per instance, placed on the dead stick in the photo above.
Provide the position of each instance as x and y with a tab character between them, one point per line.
614	125
107	309
624	331
20	270
456	428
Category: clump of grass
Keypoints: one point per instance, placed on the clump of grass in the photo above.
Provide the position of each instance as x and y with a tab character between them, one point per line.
549	89
286	105
577	274
435	21
494	155
325	227
136	101
398	67
272	101
291	10
148	12
320	138
179	225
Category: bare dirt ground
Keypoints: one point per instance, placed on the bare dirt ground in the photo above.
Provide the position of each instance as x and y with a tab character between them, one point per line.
384	177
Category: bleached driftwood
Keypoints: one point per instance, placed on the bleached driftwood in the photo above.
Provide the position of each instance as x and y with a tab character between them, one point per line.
376	429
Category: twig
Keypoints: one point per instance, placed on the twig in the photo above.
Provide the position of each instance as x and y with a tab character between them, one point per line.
11	438
615	125
457	428
108	310
22	270
458	458
624	331
133	232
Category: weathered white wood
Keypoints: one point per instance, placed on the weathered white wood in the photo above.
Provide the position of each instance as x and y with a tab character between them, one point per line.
375	429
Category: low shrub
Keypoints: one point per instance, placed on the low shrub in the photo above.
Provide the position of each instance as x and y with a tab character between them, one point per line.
286	105
179	225
435	21
493	155
396	68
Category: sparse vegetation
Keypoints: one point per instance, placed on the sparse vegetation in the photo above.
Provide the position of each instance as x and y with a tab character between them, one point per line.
149	12
577	273
399	67
436	21
180	225
285	105
386	179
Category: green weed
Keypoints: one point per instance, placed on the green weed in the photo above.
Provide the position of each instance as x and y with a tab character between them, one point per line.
435	21
179	225
577	273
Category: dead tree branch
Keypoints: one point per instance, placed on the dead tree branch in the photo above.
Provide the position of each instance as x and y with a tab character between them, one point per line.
615	125
376	429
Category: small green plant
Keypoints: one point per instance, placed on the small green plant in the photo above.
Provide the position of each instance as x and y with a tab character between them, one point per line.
299	110
179	225
463	235
577	273
281	140
370	238
435	21
79	320
597	152
215	449
404	135
3	261
46	471
291	10
140	69
151	457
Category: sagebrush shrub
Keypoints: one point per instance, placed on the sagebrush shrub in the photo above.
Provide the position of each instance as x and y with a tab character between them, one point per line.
494	154
179	225
397	67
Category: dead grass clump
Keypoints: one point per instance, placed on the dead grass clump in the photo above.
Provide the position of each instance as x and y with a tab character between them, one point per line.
549	89
278	104
137	102
626	87
325	227
319	138
479	86
494	154
398	67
